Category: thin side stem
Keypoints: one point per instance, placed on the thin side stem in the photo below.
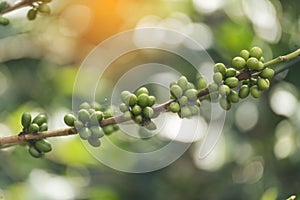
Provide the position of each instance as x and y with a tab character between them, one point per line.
16	6
21	138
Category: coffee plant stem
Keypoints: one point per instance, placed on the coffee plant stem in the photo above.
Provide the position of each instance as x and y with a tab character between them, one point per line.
16	6
23	138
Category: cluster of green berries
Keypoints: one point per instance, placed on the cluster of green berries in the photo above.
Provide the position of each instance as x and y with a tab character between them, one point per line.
185	95
40	6
227	82
138	106
88	120
3	21
37	148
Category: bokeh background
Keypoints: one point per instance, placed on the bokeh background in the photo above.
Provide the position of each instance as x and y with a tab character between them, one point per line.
257	156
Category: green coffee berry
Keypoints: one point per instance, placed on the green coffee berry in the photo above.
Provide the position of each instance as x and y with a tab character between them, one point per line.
138	119
40	119
85	105
213	87
132	100
91	111
252	63
263	84
225	104
116	127
3	5
78	125
267	73
238	63
4	21
123	107
191	94
93	119
185	112
99	115
143	100
172	83
201	83
232	82
34	152
85	133
255	92
31	14
182	82
26	120
256	52
233	97
190	86
148	112
83	115
230	72
96	132
183	100
125	96
224	90
262	59
33	128
195	110
174	107
151	126
198	103
151	100
218	77
260	66
127	115
43	127
142	90
96	106
136	110
176	91
245	54
95	142
220	67
213	96
108	130
46	1
43	146
244	91
69	119
44	8
246	82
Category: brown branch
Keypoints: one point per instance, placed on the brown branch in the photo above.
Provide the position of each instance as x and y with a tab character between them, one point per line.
23	138
16	6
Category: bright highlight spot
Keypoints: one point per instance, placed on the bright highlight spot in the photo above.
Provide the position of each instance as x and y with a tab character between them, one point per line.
246	116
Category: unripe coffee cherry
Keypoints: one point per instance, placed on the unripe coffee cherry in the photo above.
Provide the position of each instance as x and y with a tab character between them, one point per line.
190	86
69	119
93	119
245	54
108	130
138	119
232	82
85	105
85	133
233	97
43	146
83	115
26	120
256	52
4	21
230	72
176	91
43	127
142	100
142	90
260	66
267	73
31	14
238	63
201	83
225	104
148	112
33	128
244	91
40	119
191	94
151	100
132	100
183	100
34	152
136	110
123	107
224	90
96	132
124	96
183	82
255	92
127	115
78	125
185	112
220	67
95	142
174	107
263	84
218	77
213	87
44	8
195	110
252	63
151	126
262	59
